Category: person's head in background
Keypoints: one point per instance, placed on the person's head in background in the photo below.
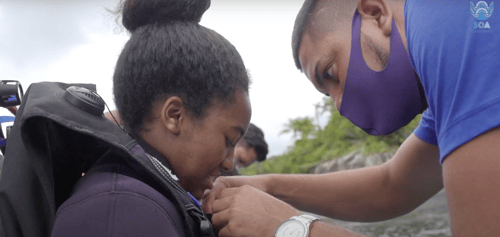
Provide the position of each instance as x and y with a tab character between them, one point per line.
251	148
182	88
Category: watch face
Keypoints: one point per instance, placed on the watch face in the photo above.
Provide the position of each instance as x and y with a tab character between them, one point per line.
291	228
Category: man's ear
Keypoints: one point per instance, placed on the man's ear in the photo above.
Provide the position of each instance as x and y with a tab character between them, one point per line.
378	11
173	114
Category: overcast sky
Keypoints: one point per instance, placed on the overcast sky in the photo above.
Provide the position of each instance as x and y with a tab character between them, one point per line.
79	41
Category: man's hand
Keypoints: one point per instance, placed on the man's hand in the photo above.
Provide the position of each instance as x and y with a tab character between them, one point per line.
222	183
241	210
247	211
208	199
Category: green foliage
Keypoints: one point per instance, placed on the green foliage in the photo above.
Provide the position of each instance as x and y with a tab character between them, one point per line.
314	144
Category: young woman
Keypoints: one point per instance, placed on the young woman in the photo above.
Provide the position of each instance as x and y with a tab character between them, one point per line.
182	93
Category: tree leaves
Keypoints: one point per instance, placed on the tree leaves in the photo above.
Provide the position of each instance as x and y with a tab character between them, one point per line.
314	144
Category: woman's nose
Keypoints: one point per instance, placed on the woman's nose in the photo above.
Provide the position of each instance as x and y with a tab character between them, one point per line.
228	164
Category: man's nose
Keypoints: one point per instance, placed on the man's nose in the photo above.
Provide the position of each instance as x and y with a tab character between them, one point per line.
337	101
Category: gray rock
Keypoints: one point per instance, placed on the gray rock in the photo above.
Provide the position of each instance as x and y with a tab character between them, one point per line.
353	160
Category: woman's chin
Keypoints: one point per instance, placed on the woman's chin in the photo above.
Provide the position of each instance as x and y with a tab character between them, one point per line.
205	184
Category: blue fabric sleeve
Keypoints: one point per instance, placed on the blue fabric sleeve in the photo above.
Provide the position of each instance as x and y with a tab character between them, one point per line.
426	130
469	126
456	54
118	214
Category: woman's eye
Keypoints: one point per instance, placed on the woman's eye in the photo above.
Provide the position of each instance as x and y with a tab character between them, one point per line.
229	143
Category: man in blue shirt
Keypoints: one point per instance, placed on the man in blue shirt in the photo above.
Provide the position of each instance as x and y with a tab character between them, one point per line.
362	63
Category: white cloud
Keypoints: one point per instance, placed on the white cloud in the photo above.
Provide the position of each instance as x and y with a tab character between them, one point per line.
76	41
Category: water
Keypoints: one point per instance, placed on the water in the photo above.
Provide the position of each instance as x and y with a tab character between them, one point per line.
430	219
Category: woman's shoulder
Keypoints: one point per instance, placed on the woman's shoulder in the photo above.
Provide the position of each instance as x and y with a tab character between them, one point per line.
109	201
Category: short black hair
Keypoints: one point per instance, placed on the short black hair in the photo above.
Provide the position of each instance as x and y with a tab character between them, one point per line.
254	137
301	22
337	17
170	54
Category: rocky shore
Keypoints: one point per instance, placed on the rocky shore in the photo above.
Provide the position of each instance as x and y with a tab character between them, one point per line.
353	160
430	219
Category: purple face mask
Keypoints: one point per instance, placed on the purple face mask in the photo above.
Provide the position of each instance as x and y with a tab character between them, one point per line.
381	102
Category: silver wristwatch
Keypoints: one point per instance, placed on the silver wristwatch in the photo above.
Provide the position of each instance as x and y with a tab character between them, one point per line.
296	226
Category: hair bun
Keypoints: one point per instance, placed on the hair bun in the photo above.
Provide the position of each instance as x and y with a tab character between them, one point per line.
137	13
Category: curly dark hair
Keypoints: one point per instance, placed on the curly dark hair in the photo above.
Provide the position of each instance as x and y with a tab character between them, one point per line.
254	137
170	54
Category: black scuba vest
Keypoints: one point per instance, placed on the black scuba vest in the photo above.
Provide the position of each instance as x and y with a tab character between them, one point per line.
52	143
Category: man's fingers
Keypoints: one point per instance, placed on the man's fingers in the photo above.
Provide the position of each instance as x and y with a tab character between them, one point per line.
210	196
227	193
221	204
220	219
225	198
224	232
207	201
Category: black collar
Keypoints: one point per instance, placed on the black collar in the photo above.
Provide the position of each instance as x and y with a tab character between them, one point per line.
151	150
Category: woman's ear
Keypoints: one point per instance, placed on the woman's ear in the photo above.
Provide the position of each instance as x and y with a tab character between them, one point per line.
377	11
173	114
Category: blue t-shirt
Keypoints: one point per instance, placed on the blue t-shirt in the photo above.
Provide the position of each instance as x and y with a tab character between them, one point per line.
454	46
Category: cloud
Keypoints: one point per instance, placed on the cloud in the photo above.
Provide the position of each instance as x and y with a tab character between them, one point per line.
36	33
75	41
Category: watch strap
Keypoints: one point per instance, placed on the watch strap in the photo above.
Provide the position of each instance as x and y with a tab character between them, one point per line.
305	219
308	218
